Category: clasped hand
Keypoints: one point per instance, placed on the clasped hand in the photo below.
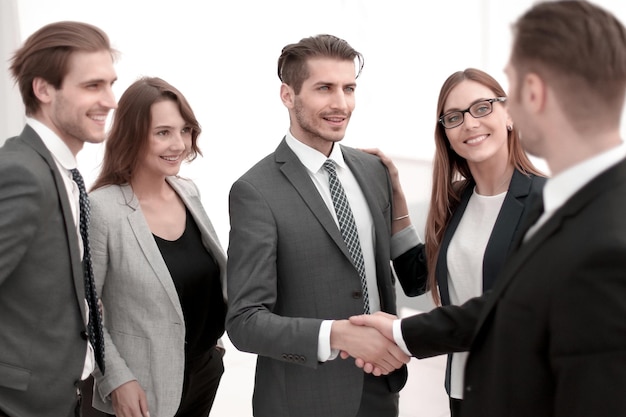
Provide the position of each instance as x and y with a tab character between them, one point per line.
369	340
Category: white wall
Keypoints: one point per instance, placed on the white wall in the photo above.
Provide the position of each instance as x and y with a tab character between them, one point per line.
222	56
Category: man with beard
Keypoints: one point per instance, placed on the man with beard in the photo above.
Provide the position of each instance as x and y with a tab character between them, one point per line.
64	72
309	247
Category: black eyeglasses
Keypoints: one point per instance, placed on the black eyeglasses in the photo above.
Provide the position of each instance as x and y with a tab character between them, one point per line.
479	109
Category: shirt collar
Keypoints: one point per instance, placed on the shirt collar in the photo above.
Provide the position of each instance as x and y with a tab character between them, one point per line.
59	150
561	187
311	158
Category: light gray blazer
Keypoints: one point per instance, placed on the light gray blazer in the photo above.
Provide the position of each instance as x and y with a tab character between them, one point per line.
144	326
289	269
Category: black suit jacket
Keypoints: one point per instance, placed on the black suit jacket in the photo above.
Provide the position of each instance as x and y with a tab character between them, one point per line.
550	338
43	342
411	266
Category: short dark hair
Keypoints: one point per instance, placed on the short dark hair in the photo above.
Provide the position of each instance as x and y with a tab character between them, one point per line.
130	129
580	49
46	54
292	63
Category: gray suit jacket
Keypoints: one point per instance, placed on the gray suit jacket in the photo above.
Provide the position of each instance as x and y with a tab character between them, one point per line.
289	269
43	341
144	325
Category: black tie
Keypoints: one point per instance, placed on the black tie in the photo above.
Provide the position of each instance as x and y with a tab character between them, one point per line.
348	227
95	317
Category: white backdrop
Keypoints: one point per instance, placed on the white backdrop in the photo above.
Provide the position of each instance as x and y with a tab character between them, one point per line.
222	55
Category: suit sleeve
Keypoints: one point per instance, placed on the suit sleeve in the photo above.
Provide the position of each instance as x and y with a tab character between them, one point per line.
252	275
445	329
23	207
410	268
117	372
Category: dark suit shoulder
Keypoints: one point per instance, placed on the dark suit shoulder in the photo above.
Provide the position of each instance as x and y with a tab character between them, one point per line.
260	168
24	170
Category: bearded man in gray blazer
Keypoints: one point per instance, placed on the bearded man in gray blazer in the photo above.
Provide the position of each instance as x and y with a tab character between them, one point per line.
292	279
65	73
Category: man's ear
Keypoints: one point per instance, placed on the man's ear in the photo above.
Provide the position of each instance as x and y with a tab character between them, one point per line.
43	90
534	92
287	95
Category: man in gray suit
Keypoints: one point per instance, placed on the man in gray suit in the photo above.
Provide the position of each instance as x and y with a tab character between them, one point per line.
65	73
302	259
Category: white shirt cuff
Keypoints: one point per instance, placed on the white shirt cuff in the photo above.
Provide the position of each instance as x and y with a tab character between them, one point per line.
404	240
324	352
397	336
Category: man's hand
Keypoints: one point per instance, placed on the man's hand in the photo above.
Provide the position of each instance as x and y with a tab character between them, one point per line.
129	400
368	345
381	321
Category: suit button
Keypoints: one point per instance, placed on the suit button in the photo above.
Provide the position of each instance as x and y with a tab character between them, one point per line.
357	294
84	335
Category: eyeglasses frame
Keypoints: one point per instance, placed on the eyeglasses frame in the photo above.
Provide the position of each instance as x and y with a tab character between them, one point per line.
489	100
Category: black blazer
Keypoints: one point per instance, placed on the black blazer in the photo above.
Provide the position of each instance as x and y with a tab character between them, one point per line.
411	266
550	338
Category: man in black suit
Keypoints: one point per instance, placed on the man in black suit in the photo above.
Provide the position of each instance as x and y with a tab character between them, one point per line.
64	72
550	338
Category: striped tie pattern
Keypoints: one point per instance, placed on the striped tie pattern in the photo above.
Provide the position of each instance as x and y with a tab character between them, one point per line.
94	325
348	227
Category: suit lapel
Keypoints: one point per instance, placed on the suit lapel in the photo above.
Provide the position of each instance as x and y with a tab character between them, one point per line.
32	139
148	246
209	237
298	176
442	259
362	176
504	228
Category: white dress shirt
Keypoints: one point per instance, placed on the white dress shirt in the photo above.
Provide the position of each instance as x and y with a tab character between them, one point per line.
561	187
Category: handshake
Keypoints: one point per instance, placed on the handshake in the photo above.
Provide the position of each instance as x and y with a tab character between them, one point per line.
369	340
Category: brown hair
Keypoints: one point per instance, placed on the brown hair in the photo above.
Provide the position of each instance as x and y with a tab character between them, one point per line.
580	50
130	130
46	54
292	63
451	173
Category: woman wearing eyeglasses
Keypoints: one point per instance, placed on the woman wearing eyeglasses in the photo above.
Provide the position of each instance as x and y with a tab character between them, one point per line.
482	186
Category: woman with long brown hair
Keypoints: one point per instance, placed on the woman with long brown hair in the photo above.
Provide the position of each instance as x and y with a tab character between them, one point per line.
158	264
482	181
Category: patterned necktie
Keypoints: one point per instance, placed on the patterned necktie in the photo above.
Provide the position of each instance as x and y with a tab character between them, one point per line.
95	317
348	227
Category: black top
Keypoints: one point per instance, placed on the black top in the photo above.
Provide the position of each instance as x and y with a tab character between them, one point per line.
196	277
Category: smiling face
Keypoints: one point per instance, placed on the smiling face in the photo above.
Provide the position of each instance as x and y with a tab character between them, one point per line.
77	111
321	111
169	141
477	139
